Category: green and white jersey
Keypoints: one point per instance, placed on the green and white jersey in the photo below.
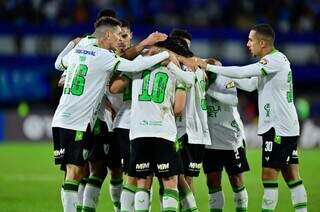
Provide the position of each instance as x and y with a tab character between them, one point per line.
89	67
194	121
88	70
275	90
225	126
122	119
153	96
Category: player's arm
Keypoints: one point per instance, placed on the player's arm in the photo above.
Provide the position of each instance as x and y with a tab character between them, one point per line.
62	79
153	38
249	85
60	63
180	100
118	83
141	64
183	76
239	72
224	91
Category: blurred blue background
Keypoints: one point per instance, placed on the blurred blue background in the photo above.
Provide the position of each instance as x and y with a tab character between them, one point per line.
33	32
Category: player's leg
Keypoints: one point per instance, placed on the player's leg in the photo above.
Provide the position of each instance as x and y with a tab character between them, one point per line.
292	177
235	166
141	167
213	166
271	163
114	164
97	166
82	186
130	187
166	164
192	156
73	159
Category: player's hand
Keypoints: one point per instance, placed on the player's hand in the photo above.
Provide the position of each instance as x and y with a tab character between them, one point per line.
154	37
76	40
174	59
213	61
201	63
190	63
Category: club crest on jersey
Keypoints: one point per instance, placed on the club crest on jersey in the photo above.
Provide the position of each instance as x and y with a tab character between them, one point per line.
263	61
230	85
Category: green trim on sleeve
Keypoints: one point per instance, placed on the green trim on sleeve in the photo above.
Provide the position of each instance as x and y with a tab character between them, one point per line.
264	72
126	76
63	64
115	67
181	88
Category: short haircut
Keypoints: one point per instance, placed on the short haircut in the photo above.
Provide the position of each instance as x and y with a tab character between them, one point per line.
265	30
107	21
181	33
106	13
176	44
125	23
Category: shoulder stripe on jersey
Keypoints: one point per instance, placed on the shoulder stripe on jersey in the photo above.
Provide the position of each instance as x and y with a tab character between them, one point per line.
264	72
115	67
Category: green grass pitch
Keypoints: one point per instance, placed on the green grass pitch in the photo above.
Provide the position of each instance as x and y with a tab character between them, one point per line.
30	182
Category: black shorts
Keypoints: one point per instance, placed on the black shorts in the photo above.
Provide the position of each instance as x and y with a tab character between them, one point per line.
235	162
278	151
70	146
191	156
153	155
122	136
104	146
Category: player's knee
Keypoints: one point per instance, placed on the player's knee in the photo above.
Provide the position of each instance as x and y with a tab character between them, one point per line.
270	173
189	180
116	173
213	181
170	182
75	172
236	180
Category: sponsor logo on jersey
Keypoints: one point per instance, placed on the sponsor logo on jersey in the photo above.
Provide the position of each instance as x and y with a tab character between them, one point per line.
195	165
83	51
263	61
142	166
163	166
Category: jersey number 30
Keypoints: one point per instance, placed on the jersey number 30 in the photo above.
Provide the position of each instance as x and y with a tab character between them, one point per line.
78	81
159	87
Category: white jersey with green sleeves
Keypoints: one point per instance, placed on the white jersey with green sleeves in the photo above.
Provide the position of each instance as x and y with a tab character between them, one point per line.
194	120
275	89
153	95
89	67
225	125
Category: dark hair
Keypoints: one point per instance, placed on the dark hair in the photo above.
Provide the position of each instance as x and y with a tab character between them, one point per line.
264	30
125	23
181	33
106	13
107	21
176	44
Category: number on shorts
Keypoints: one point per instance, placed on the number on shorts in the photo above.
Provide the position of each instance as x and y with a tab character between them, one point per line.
268	147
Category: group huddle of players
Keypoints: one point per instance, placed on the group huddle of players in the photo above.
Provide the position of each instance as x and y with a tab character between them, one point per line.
156	109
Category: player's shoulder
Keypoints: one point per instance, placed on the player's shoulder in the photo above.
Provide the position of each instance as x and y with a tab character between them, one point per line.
274	58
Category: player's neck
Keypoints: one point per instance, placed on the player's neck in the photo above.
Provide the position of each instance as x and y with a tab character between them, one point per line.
267	50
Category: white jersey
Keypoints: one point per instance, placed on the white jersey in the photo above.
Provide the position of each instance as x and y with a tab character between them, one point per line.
89	67
152	115
225	125
193	121
276	106
122	119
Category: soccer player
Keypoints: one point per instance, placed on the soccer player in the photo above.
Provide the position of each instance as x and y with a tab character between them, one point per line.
88	69
278	121
228	147
156	97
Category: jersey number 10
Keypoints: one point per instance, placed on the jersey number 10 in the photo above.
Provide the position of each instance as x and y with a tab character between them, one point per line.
158	89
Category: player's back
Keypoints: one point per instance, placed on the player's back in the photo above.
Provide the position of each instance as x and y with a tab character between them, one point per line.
87	73
153	93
